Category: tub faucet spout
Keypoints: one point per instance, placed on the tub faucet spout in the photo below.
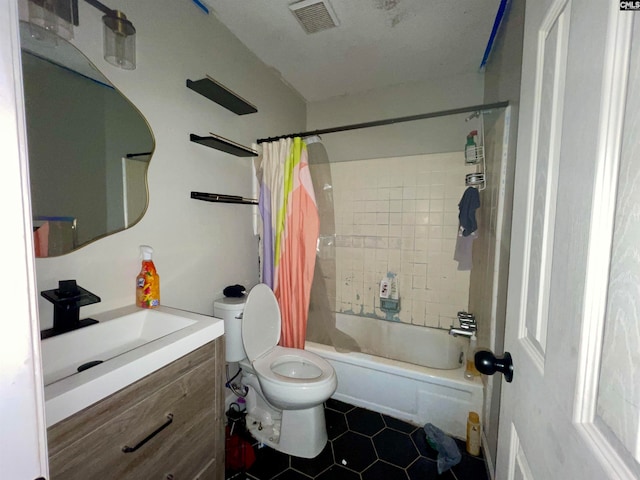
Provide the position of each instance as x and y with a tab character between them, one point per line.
463	332
467	325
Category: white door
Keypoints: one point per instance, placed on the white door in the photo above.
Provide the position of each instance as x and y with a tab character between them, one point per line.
572	410
23	452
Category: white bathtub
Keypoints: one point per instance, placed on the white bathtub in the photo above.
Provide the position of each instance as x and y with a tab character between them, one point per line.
428	347
411	392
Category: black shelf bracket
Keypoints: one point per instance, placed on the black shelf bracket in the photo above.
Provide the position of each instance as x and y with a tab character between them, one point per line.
222	198
224	145
220	94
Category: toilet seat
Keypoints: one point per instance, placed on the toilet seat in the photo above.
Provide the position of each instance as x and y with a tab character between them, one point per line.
294	366
260	334
260	322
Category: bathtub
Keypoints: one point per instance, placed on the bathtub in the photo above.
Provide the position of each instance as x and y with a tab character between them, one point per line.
403	388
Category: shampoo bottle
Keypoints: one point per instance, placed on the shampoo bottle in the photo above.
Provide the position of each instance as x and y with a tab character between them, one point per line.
471	371
473	434
471	148
147	281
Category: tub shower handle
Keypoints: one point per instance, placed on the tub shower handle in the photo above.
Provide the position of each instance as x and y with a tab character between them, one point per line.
487	363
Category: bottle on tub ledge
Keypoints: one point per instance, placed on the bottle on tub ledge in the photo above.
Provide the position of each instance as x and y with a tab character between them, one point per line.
471	372
147	281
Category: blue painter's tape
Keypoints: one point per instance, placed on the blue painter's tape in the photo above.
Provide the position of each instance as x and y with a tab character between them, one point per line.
201	6
494	31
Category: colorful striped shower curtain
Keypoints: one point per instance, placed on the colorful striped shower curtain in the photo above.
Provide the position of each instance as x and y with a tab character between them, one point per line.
290	229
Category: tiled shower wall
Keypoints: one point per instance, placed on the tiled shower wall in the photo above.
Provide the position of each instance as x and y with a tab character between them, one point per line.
399	216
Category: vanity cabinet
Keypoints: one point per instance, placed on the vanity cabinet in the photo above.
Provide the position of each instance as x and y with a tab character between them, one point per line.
168	425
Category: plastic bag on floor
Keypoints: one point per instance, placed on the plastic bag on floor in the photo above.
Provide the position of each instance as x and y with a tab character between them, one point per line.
448	451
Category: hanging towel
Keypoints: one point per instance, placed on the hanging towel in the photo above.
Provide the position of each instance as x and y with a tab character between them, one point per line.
464	249
468	205
469	202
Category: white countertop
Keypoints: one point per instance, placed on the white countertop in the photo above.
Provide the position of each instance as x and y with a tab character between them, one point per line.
78	390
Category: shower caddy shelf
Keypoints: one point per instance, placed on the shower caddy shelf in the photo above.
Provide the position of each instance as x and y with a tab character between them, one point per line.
230	100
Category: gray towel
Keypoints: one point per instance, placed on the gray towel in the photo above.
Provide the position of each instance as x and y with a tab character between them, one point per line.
464	250
448	451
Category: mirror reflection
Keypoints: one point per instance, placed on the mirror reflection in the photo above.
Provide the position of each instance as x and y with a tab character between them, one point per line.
89	147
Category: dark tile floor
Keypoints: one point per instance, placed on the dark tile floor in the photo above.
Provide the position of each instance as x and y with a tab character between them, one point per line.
363	445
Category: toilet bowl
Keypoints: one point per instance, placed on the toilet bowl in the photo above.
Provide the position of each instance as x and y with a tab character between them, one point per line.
287	386
295	379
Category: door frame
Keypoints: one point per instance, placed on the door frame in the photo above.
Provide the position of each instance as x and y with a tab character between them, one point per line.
24	452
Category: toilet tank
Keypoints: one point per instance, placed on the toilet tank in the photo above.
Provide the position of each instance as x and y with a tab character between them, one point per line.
230	310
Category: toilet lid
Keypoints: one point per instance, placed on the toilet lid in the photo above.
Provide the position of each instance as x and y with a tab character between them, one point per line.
260	322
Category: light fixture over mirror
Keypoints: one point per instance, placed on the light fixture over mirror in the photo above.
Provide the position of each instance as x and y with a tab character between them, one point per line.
56	19
89	148
119	37
119	41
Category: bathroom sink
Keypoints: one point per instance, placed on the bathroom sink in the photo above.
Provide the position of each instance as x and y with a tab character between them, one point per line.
85	365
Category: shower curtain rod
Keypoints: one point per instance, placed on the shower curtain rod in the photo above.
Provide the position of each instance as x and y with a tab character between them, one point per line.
389	121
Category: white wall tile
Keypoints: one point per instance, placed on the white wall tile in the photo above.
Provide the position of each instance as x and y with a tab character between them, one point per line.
400	216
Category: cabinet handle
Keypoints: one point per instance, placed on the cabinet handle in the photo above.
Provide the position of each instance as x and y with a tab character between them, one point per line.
126	449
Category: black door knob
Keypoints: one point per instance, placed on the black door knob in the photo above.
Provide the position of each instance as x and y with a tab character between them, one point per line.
487	363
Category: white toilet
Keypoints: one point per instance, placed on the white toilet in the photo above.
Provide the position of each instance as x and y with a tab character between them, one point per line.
287	386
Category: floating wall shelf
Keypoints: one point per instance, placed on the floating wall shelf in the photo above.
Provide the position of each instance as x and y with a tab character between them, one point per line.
224	145
221	198
220	94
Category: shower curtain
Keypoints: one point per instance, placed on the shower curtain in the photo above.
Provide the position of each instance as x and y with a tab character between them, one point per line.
290	228
321	327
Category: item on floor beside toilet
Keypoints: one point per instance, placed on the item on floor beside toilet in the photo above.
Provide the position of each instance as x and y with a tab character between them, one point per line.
448	452
147	281
471	371
473	434
236	418
239	453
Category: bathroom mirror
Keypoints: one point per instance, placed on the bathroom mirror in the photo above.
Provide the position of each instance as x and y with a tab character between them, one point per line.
89	147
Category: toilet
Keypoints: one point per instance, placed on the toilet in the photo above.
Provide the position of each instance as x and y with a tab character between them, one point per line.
286	386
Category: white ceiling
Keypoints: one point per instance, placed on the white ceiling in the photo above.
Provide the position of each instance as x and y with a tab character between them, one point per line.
377	44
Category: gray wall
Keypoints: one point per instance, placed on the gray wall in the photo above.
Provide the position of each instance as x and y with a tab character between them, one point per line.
200	247
439	135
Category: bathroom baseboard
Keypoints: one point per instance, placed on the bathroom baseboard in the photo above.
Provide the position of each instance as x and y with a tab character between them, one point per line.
491	470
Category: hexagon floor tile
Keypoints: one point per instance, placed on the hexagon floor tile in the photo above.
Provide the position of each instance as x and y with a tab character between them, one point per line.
363	445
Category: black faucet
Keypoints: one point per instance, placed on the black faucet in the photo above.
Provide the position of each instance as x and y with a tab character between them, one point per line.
67	300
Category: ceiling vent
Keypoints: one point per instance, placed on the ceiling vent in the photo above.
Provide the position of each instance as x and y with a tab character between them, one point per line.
314	15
